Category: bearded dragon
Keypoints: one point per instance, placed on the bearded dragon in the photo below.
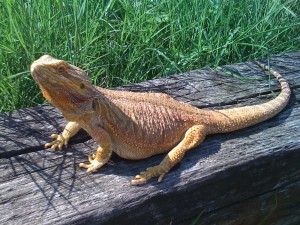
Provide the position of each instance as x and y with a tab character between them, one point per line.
138	125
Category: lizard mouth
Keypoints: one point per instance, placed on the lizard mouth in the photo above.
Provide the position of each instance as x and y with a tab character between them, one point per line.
36	74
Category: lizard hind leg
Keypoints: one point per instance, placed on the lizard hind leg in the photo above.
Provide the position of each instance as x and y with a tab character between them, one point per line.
193	137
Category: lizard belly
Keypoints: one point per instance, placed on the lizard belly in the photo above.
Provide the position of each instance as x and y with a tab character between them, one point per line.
138	142
141	131
137	149
145	130
133	142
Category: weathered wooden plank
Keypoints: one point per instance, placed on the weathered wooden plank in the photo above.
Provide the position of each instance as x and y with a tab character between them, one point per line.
279	206
62	192
231	178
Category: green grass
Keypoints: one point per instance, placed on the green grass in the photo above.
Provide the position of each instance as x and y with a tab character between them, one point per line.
122	41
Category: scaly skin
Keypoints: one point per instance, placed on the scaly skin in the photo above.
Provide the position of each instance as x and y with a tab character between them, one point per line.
138	125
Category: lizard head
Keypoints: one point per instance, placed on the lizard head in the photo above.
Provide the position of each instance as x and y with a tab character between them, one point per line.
62	84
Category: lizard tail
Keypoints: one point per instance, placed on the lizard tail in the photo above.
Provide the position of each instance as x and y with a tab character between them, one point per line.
237	118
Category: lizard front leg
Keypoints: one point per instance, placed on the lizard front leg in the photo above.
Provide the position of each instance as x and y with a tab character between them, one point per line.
62	139
193	137
103	153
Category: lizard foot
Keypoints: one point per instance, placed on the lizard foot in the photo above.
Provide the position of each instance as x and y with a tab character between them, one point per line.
155	171
92	166
58	143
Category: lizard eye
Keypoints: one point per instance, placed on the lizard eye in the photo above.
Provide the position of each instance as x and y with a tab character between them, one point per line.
81	86
61	69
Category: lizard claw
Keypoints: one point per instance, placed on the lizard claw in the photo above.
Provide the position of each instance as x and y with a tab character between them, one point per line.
58	143
92	166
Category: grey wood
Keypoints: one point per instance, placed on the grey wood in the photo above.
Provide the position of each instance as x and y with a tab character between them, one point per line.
245	177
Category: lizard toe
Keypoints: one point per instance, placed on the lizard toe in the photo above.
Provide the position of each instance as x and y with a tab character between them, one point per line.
139	179
155	171
84	165
58	143
92	166
161	177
